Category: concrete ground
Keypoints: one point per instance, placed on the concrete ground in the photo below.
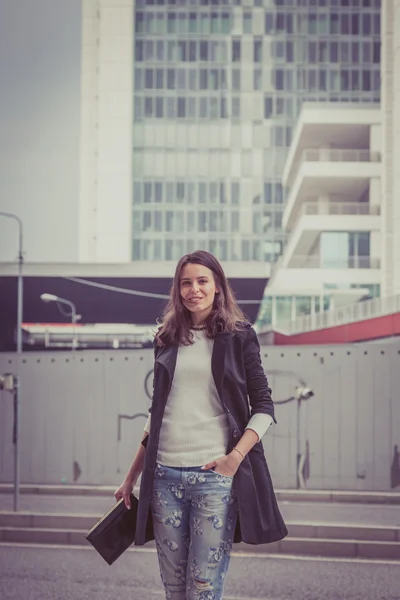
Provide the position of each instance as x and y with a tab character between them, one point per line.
37	573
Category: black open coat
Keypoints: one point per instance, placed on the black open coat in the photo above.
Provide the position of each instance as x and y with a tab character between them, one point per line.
243	388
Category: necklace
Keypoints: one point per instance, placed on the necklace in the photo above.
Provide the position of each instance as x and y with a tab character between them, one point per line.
198	328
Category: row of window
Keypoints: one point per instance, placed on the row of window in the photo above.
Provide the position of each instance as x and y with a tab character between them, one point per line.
343	248
216	107
262	163
203	192
187	79
322	51
274	105
329	80
232	250
160	23
267	3
213	221
310	78
278	310
221	23
182	222
182	107
186	51
322	23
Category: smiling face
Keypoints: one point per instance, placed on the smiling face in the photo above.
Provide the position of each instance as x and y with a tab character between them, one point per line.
197	289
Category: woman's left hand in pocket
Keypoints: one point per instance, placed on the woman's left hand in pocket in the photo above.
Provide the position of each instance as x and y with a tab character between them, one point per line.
225	465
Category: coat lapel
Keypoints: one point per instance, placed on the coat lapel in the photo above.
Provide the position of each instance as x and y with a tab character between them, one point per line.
167	356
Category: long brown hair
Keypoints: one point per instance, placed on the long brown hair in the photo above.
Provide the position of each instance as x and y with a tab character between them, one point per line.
225	315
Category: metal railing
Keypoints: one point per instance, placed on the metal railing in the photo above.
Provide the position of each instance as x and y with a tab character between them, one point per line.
333	155
329	208
350	262
339	208
339	155
351	313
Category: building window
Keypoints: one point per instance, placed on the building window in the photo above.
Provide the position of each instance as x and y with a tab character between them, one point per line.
279	79
376	52
269	23
257	51
148	107
247	22
366	80
333	52
138	79
283	309
236	80
236	54
302	305
234	221
136	254
245	250
235	192
181	107
148	78
236	107
139	22
268	107
257	79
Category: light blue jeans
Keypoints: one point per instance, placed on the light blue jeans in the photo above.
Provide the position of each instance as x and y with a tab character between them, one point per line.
194	517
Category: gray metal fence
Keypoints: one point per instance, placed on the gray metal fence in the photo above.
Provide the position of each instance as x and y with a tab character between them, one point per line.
82	415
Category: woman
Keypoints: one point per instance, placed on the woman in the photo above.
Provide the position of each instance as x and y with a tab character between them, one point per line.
205	482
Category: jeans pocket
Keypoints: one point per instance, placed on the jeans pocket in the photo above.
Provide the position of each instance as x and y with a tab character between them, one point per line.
221	475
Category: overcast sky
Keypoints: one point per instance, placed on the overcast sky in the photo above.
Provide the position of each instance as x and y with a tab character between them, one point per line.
39	124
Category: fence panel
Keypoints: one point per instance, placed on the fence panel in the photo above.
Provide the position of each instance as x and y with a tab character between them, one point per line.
82	415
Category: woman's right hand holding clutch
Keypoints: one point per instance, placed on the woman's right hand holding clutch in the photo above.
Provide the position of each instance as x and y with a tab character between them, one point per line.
124	491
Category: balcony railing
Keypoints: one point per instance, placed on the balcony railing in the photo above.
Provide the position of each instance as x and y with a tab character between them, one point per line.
339	155
333	155
316	262
340	208
330	208
351	313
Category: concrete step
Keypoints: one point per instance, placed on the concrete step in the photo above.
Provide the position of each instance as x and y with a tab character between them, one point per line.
288	495
349	548
342	531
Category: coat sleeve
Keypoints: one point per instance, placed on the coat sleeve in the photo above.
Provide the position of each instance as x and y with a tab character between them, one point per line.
257	383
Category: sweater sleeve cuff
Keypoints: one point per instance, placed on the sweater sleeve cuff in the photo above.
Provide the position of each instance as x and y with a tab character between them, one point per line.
147	424
259	423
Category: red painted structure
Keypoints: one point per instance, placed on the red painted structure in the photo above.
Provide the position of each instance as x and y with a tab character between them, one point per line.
359	331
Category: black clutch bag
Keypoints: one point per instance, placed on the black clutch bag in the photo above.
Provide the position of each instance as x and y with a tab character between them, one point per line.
115	531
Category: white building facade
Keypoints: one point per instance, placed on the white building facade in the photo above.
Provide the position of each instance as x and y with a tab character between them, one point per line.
105	217
188	110
332	215
390	77
370	222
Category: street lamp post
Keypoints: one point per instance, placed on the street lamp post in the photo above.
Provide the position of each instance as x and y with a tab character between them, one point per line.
20	278
301	393
17	379
74	316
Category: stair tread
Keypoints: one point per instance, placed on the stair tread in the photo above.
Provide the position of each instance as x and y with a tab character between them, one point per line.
288	538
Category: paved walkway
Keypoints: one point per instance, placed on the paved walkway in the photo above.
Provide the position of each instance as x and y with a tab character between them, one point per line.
80	574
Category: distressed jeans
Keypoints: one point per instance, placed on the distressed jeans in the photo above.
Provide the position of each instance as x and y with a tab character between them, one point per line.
194	517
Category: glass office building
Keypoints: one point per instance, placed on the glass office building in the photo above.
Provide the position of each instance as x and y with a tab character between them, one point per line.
218	86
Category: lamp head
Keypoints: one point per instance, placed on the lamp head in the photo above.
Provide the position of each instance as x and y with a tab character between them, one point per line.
49	298
304	393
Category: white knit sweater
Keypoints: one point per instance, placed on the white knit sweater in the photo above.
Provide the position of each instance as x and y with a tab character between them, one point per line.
195	427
